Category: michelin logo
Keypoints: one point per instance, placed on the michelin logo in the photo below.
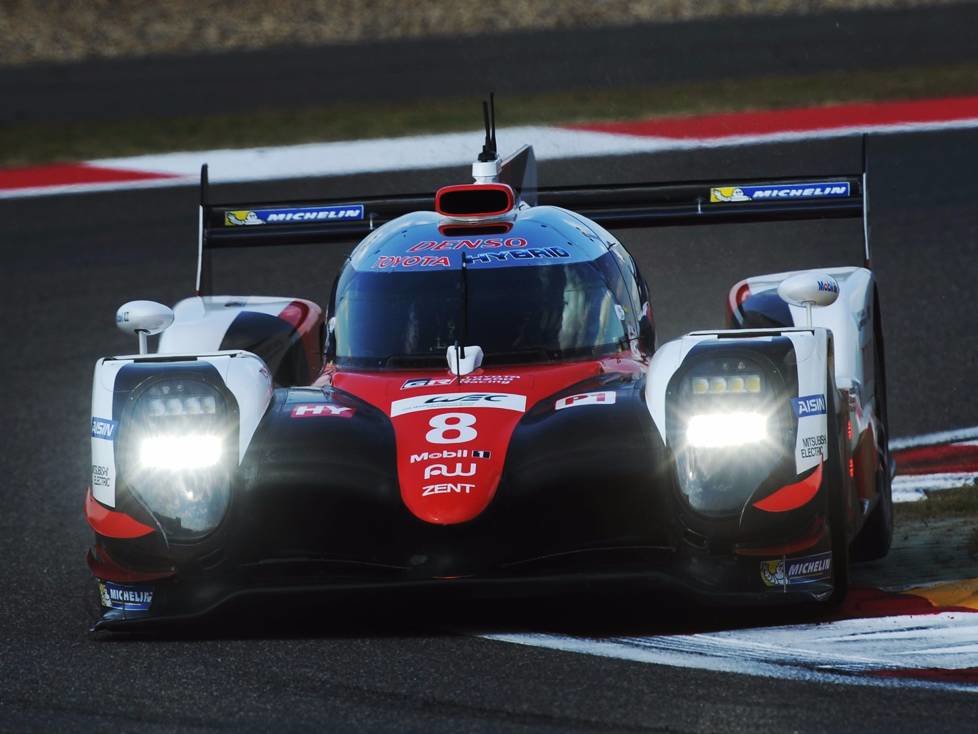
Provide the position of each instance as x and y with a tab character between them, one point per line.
808	405
126	598
792	571
337	213
776	192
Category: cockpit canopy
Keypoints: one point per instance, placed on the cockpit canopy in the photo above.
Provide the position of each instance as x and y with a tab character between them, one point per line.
545	289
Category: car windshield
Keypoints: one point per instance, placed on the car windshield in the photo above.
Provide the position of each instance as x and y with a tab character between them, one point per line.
516	314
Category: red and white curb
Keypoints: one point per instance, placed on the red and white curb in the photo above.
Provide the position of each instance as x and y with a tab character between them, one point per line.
933	462
456	149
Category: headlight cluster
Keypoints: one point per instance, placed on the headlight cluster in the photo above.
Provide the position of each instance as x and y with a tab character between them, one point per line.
724	431
723	405
180	451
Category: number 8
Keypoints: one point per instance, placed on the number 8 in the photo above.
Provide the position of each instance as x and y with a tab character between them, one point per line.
451	423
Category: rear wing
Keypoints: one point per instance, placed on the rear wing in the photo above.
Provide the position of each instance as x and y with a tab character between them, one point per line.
614	206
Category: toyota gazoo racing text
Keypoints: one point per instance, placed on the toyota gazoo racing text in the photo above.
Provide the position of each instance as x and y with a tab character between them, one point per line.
481	401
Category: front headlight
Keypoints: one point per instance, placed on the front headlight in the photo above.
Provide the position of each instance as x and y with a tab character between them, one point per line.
181	450
726	428
723	430
180	453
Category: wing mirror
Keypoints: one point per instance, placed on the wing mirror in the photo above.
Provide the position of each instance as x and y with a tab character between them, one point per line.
808	290
143	318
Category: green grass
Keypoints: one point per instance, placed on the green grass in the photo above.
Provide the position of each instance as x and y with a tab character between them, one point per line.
33	143
961	502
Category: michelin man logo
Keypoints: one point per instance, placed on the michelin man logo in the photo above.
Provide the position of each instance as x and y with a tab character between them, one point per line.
241	218
772	573
728	193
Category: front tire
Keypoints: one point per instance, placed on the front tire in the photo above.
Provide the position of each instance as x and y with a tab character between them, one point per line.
836	481
874	539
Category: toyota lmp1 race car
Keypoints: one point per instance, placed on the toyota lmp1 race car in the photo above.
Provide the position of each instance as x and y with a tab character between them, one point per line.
405	436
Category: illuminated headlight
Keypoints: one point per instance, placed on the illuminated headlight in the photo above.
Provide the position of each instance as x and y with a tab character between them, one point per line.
179	453
727	423
722	430
726	384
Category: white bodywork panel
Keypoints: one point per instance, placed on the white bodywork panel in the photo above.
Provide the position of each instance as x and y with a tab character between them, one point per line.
847	319
811	350
200	322
244	374
850	321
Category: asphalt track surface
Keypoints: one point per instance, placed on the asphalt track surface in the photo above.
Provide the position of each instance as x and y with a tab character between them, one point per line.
407	663
524	63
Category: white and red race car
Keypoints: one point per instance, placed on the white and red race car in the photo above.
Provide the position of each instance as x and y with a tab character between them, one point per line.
404	434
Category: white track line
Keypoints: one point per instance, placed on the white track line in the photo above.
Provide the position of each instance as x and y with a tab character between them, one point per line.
423	152
914	487
956	435
838	652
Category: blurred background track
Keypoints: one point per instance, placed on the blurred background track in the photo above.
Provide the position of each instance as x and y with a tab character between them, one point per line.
512	63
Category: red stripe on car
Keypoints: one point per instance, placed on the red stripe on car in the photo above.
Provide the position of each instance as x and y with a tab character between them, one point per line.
793	496
110	523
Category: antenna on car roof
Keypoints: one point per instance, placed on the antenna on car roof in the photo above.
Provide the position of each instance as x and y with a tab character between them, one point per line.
485	169
489	119
492	118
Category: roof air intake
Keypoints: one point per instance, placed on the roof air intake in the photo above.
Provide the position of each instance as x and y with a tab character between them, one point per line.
474	201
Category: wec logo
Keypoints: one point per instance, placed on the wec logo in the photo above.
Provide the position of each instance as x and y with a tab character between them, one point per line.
828	286
467	399
808	405
504	401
